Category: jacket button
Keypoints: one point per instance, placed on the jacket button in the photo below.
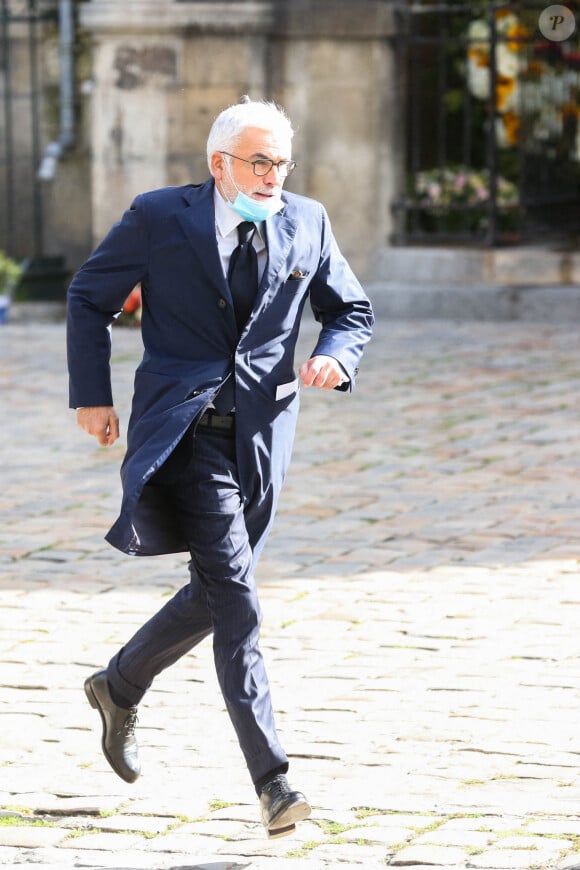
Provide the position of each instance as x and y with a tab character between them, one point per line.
222	303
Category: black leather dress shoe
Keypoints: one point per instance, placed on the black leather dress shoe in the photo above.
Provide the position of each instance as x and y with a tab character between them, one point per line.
281	807
118	743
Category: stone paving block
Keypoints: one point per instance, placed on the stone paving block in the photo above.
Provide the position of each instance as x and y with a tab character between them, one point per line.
225	830
464	839
101	860
30	836
211	864
105	842
430	866
305	863
351	854
513	859
372	834
438	856
139	824
554	826
194	844
401	821
542	844
481	823
260	846
54	806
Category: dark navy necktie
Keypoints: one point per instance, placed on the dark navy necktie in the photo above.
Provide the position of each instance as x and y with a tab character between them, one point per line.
243	281
243	274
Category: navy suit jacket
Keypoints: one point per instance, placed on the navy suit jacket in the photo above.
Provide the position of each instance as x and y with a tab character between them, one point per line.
167	242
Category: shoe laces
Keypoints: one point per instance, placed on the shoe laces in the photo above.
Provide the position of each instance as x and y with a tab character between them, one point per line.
277	787
130	722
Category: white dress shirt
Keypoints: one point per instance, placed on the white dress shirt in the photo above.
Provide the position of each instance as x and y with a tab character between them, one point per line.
226	230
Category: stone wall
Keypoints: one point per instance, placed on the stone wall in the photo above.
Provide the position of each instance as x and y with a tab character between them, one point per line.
162	70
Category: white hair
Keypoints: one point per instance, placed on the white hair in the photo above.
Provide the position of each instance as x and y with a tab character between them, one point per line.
230	124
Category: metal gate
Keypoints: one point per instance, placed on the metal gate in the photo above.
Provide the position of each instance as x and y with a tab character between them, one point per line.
492	146
21	221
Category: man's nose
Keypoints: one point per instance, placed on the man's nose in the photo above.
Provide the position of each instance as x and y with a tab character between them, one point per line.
274	174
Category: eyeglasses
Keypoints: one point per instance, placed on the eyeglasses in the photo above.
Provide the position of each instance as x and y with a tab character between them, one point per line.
263	166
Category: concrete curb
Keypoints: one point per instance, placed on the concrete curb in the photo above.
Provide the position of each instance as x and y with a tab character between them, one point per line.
37	312
546	304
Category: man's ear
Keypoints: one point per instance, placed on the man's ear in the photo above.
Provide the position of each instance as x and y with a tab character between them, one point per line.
217	164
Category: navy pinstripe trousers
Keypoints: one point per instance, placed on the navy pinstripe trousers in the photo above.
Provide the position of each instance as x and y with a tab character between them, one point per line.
201	482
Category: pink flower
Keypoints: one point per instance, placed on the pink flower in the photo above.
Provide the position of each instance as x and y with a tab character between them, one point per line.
434	190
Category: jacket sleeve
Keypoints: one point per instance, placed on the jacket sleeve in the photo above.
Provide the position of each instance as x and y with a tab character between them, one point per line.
341	306
95	298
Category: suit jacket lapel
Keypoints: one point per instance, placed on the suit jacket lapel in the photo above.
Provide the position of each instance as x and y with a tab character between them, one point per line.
280	232
197	220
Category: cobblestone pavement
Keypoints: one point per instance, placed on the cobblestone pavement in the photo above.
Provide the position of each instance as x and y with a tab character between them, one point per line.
421	605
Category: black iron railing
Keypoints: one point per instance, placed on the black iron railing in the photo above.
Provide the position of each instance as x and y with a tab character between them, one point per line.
21	222
491	113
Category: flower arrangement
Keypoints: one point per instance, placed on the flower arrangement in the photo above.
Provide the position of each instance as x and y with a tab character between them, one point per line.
456	197
459	185
534	87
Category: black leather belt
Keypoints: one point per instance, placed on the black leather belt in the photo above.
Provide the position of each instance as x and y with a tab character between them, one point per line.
217	421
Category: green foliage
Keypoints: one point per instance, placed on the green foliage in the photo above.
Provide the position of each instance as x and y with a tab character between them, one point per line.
333	829
19	822
9	274
365	812
218	804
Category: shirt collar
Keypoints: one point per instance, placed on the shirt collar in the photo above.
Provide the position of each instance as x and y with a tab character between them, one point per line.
226	219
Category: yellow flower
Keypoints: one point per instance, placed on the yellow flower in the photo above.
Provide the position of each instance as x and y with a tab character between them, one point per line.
517	36
505	89
570	110
512	127
478	56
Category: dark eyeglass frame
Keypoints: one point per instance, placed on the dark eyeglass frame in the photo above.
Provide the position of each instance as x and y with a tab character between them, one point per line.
284	167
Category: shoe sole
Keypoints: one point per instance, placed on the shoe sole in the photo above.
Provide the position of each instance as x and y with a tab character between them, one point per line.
276	833
94	702
285	823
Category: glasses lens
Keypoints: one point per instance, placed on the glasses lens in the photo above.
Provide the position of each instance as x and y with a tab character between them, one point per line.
284	167
262	167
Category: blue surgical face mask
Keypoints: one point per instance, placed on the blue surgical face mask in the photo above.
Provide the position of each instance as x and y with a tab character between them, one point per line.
250	209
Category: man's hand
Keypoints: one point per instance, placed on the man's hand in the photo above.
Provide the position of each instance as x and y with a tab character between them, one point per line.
102	422
323	372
